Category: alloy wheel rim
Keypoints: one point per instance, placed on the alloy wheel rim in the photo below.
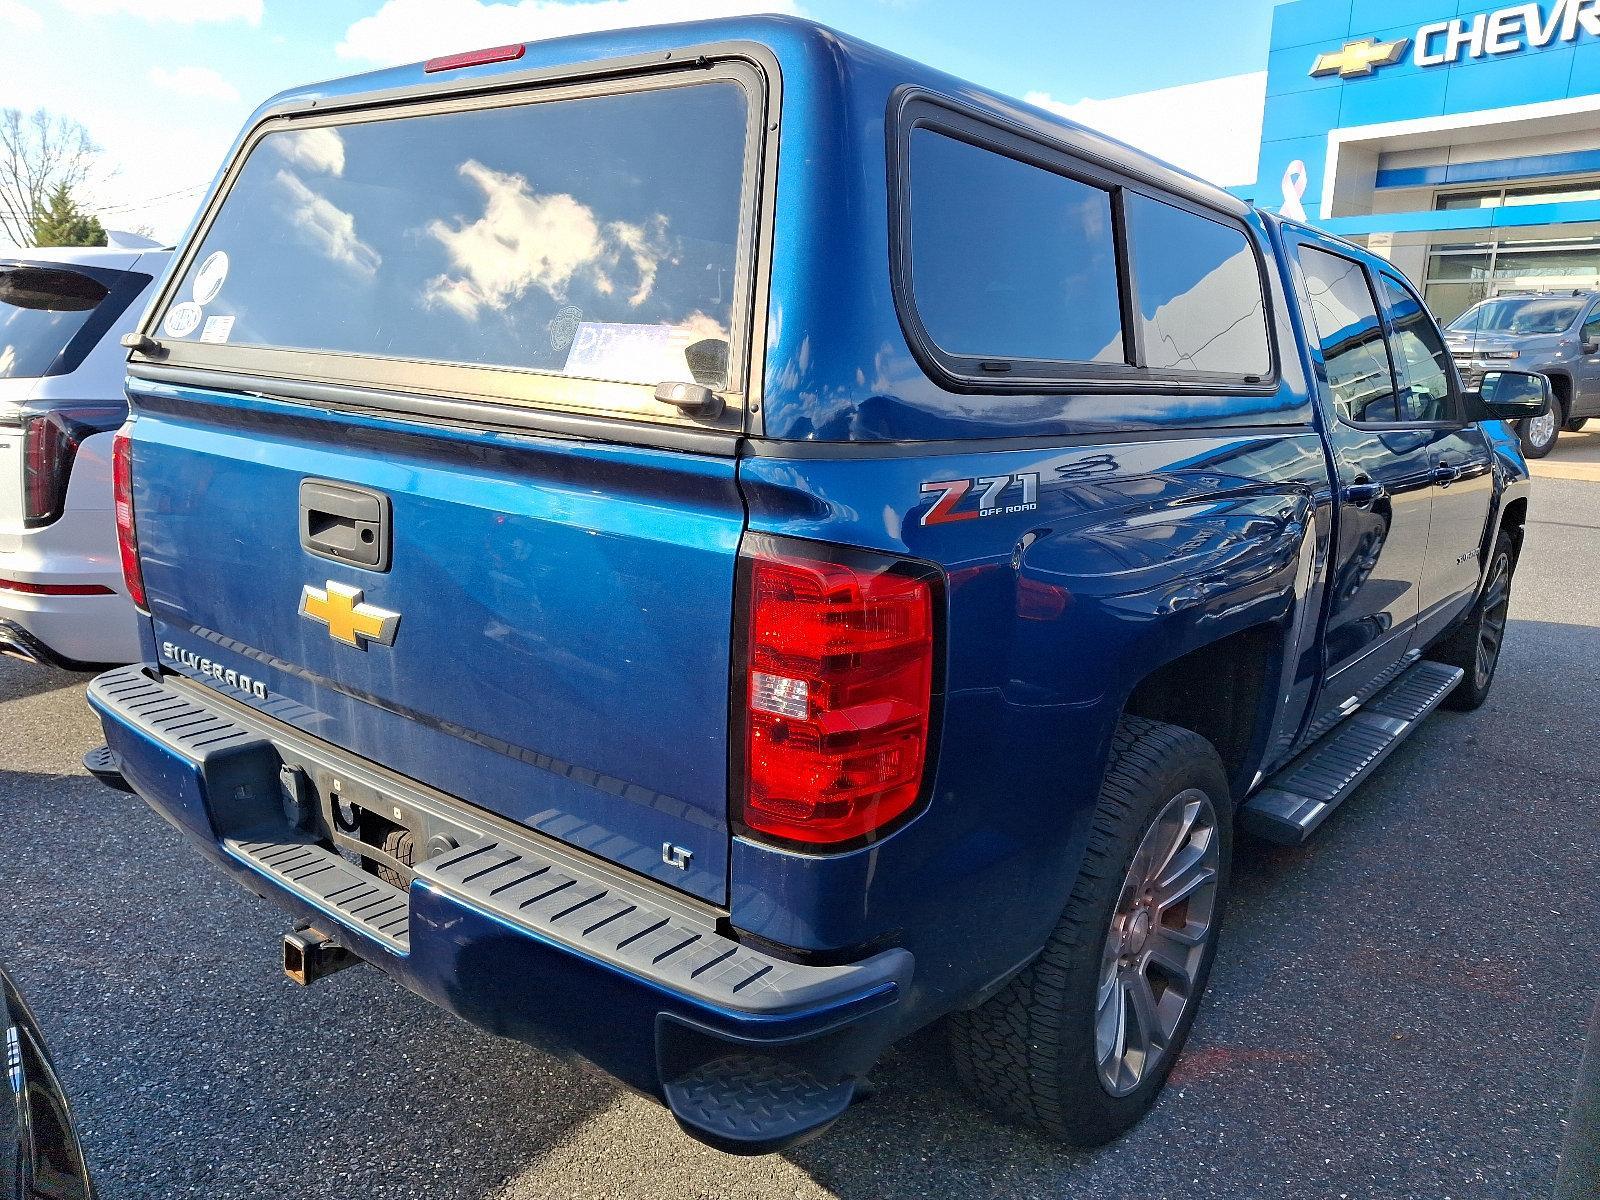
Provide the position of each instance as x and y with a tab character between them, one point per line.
1157	941
1542	429
1492	620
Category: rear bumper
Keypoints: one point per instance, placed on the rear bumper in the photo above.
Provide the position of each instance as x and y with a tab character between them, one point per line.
78	550
528	939
73	632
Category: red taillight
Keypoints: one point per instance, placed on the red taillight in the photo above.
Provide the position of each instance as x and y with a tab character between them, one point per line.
476	58
838	683
50	442
127	538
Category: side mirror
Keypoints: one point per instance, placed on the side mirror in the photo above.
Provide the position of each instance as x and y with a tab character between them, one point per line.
1513	395
1591	345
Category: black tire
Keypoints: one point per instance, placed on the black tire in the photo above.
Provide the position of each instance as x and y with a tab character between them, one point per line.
1531	433
1030	1052
1476	643
397	843
1574	424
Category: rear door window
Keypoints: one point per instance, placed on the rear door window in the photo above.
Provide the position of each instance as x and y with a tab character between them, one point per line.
1351	335
43	310
587	236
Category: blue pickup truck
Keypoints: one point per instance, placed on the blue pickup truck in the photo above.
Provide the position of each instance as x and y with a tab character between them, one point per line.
716	547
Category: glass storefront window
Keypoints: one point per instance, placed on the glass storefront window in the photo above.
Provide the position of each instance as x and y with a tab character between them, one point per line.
1459	267
1458	279
1456	282
1556	269
1538	193
1460	200
1447	301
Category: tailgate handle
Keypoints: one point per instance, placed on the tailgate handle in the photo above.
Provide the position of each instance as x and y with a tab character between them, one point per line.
346	523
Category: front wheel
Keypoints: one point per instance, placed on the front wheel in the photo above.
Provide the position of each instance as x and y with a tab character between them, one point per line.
1538	434
1080	1043
1475	645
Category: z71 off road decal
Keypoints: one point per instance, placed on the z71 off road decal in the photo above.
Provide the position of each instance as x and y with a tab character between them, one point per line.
992	497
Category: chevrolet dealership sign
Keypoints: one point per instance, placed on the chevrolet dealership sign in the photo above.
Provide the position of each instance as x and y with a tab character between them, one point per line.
1505	31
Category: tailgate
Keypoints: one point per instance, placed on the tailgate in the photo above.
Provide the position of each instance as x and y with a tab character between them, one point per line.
561	653
437	448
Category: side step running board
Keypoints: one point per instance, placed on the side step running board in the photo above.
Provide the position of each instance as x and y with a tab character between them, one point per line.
1299	798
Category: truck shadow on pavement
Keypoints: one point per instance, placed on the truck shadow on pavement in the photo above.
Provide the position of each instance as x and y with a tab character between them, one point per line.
20	680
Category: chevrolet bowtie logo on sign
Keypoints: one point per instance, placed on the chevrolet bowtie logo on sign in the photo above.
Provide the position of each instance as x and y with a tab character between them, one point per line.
1359	59
1486	35
339	607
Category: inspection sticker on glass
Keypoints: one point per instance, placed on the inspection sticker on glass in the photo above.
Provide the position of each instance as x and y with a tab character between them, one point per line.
217	329
181	319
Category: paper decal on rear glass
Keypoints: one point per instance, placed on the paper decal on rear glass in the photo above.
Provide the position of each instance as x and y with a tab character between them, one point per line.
182	319
645	353
208	280
217	329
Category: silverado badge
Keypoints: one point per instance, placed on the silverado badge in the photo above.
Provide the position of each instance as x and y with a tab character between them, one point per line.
339	607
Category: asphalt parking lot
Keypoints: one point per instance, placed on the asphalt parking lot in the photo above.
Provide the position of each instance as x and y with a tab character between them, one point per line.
1397	1009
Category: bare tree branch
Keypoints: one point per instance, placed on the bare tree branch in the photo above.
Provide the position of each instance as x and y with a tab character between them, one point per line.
39	152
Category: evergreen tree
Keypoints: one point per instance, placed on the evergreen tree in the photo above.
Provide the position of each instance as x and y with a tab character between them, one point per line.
60	222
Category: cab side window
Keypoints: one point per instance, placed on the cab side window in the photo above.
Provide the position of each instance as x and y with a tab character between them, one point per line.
1351	334
1420	358
1591	327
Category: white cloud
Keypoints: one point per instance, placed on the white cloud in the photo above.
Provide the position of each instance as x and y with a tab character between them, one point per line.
406	30
1212	129
546	240
328	227
184	12
320	150
199	83
14	12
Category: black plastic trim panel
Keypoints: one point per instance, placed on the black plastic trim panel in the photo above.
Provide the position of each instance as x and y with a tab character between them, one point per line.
333	884
1298	799
523	887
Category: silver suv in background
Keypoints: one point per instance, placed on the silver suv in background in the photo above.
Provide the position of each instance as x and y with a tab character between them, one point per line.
1554	333
62	315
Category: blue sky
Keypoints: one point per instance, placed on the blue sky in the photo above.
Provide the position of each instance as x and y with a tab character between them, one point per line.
164	85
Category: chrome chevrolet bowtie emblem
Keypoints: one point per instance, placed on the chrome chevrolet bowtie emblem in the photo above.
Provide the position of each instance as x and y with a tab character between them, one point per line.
339	607
1358	59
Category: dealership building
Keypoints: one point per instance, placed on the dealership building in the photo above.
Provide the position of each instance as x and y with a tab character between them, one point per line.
1459	140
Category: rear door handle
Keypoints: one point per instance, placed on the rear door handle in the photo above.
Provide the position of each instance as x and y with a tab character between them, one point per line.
1363	493
1445	474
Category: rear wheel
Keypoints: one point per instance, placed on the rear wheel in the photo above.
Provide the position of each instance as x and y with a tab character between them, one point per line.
1538	434
1575	424
1080	1043
1475	646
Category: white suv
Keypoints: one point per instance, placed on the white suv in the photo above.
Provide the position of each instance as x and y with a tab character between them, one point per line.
62	316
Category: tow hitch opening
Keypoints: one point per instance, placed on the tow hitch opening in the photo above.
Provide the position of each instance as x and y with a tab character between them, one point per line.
309	954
